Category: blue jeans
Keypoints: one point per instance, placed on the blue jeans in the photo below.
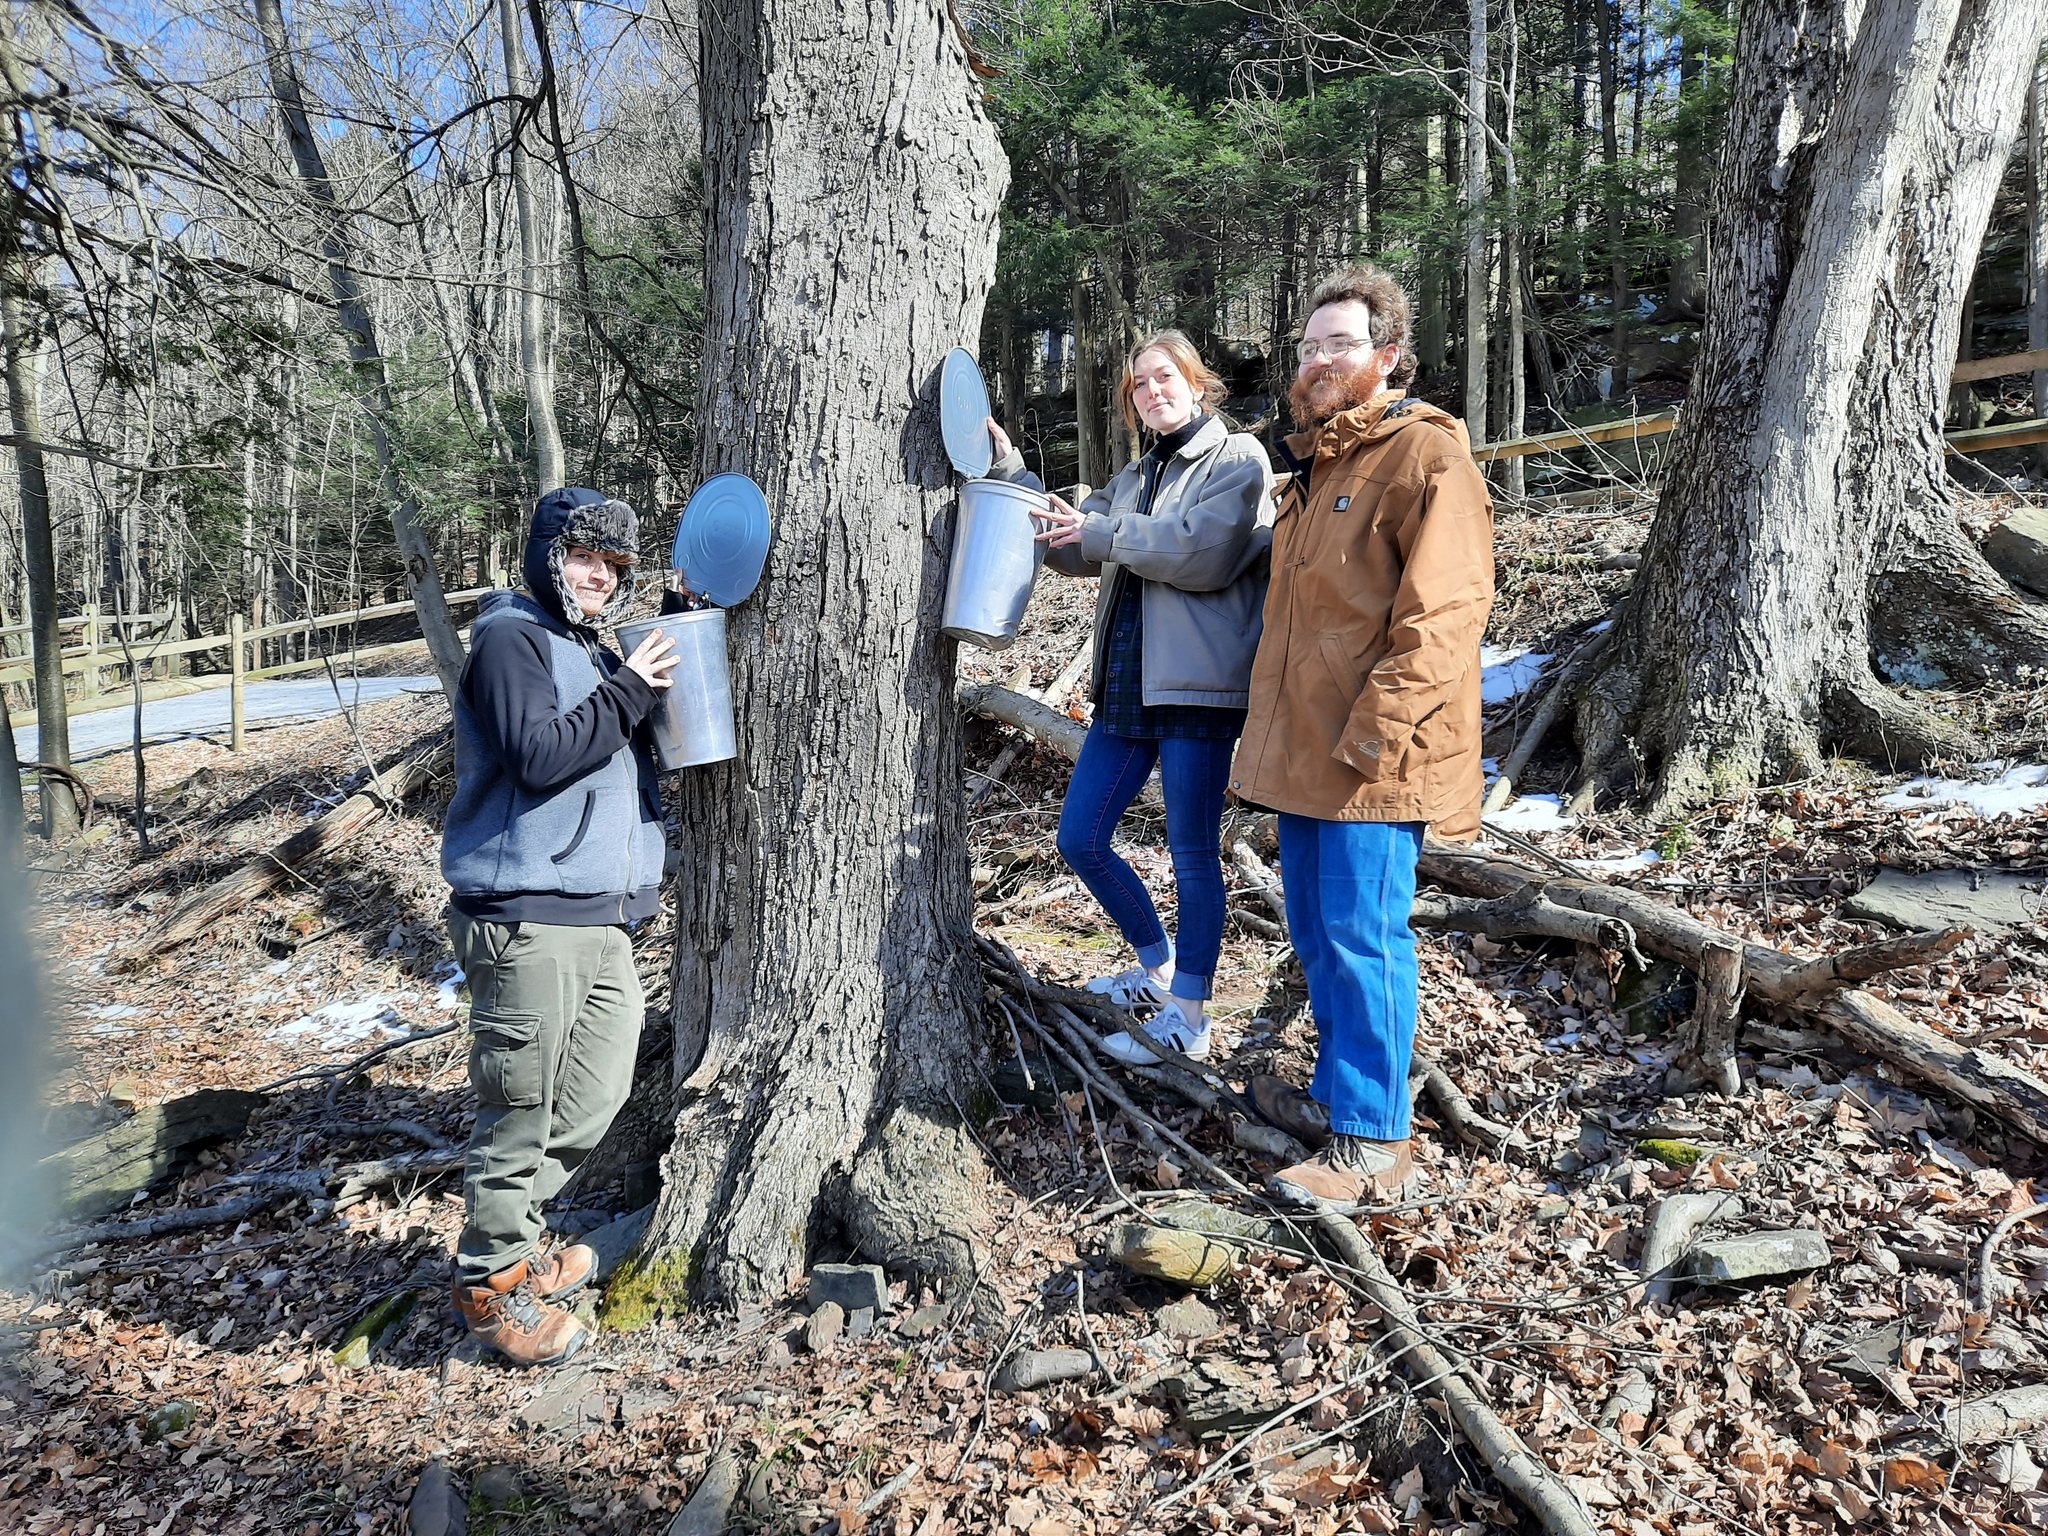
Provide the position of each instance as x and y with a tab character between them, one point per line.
1192	776
1350	887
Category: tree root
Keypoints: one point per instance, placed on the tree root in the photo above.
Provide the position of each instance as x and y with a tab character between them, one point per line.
1940	603
913	1200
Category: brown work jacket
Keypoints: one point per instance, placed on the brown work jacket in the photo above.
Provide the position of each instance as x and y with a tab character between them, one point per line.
1365	690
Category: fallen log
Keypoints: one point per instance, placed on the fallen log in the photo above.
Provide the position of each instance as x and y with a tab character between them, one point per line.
263	872
1040	722
1526	913
1977	1078
109	1169
1051	696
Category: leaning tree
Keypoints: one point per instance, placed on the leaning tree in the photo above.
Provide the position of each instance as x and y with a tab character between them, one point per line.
823	973
1806	545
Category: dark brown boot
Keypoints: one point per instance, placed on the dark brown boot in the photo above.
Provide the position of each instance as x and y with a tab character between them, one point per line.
505	1312
566	1270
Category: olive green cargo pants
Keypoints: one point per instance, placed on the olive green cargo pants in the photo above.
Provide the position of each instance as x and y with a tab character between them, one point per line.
554	1018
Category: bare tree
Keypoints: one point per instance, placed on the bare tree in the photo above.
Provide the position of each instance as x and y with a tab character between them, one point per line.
533	267
424	580
1806	524
822	973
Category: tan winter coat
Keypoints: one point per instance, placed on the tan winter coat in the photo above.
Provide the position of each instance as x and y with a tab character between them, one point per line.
1365	690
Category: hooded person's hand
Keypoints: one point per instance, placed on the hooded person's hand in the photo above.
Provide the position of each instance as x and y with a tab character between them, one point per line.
653	659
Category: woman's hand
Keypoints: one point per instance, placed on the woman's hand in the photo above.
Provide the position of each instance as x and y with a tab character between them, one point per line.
654	659
1001	439
1063	524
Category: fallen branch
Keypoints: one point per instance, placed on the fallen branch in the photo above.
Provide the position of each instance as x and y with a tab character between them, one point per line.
1460	1114
262	872
1040	722
1673	1225
1831	972
1538	1489
1519	1470
1527	912
161	1225
1872	1025
1561	692
1990	1287
1051	696
1262	880
1716	1017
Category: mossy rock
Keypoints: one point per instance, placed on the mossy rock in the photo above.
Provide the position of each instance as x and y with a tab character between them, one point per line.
1671	1152
643	1290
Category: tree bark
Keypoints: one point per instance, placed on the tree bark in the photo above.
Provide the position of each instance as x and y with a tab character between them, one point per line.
365	358
2037	235
1805	520
823	967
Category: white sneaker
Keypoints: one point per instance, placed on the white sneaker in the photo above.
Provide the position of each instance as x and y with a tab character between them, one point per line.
1171	1029
1134	988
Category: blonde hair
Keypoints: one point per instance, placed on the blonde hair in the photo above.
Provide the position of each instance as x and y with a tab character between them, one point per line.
1202	379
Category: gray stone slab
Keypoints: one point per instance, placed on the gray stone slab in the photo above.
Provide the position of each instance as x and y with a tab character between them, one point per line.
853	1286
1759	1256
1988	900
2018	548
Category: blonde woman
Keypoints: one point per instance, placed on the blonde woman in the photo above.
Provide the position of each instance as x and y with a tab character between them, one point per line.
1179	538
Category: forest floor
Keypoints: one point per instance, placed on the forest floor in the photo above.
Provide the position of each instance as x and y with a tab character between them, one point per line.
188	1383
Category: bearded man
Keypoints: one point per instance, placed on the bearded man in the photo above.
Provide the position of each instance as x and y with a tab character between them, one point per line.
1364	723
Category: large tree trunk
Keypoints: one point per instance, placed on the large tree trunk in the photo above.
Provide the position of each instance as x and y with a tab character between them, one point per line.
365	358
822	973
1805	520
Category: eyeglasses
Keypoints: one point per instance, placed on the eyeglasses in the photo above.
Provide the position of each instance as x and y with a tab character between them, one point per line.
1332	347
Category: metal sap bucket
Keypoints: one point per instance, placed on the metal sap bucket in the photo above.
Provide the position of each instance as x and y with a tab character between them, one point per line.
996	556
692	721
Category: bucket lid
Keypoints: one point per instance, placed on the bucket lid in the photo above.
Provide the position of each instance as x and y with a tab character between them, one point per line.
722	541
963	414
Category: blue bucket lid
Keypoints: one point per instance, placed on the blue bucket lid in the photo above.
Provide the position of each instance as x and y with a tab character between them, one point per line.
722	540
963	414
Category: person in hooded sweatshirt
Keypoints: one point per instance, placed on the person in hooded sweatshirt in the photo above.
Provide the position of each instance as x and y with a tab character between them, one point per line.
553	848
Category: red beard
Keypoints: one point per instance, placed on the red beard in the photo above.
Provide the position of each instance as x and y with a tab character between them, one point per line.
1314	400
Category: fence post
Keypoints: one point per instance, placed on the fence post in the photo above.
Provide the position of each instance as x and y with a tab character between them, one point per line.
236	668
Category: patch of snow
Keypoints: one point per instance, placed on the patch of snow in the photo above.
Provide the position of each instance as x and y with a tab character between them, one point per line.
2021	790
112	1010
1490	766
1619	863
451	978
1531	813
1507	673
1601	628
343	1022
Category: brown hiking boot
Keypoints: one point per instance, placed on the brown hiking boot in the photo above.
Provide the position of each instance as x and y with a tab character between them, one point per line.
1351	1172
506	1313
1281	1104
562	1272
